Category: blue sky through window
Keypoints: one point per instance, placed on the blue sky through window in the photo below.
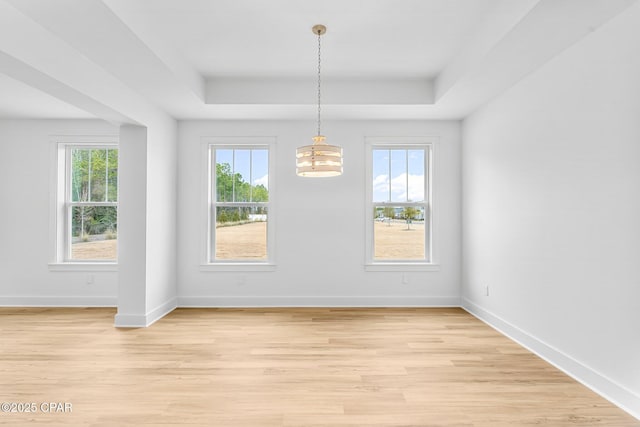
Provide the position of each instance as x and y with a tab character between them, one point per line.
252	164
398	175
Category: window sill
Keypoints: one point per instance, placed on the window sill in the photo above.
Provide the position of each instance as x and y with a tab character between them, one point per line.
399	266
238	267
82	266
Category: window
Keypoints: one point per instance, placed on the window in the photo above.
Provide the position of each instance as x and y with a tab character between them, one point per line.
87	203
240	207
399	202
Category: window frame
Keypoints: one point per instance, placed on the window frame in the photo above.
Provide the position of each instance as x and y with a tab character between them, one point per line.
429	263
62	205
209	145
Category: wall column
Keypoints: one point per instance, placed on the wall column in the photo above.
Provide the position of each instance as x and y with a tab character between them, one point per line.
132	227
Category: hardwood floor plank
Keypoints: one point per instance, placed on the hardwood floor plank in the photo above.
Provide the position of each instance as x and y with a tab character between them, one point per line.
284	367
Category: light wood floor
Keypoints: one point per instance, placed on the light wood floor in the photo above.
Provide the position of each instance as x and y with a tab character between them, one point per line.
284	367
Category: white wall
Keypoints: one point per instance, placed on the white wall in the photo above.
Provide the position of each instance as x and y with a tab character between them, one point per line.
314	213
132	227
551	202
147	217
161	234
25	171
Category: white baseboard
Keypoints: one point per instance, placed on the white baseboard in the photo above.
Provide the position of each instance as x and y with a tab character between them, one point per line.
130	320
162	310
57	301
144	320
305	301
605	387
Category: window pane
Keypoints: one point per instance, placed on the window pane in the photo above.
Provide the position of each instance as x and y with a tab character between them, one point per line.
242	175
241	233
94	232
260	176
112	175
98	175
398	175
398	233
381	186
416	175
224	172
80	159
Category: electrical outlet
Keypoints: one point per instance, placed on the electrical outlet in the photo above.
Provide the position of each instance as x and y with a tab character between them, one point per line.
405	278
90	279
486	290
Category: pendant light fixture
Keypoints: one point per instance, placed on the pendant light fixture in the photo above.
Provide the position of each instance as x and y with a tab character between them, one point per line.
319	159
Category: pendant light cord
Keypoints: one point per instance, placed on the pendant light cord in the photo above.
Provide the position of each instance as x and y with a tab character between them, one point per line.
319	34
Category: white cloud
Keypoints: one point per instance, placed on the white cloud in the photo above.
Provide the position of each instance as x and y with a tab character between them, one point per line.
399	187
262	181
381	183
381	188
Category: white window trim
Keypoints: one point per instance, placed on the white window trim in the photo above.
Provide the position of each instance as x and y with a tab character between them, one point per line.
58	181
208	143
431	143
